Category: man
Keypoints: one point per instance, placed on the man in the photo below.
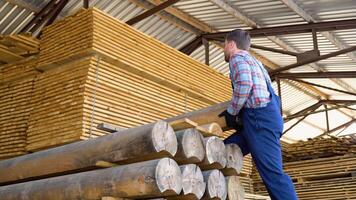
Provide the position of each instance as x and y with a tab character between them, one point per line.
255	104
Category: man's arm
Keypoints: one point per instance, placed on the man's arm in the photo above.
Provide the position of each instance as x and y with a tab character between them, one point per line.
242	81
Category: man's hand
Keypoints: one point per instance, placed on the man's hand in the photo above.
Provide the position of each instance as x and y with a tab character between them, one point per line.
231	120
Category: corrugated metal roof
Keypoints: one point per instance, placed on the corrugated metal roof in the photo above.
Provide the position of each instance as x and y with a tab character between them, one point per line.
266	13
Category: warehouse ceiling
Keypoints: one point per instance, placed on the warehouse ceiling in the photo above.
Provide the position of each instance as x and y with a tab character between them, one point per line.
185	20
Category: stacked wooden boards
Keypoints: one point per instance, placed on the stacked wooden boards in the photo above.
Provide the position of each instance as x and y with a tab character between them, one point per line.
320	147
322	178
16	89
16	47
103	70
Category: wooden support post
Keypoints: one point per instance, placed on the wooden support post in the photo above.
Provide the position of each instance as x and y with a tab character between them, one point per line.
192	182
86	4
215	185
315	40
214	154
205	115
327	117
234	159
146	142
206	47
235	189
211	129
280	93
154	178
190	147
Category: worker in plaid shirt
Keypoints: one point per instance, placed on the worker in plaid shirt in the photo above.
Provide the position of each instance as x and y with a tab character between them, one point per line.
254	111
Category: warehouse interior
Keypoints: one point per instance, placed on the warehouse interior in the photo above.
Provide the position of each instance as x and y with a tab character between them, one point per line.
85	85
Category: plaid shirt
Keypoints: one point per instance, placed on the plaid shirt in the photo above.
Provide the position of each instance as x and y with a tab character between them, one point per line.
249	84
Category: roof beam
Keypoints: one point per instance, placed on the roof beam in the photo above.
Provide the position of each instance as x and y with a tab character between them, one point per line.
316	59
328	35
293	29
151	11
331	37
165	15
338	128
185	17
317	75
325	87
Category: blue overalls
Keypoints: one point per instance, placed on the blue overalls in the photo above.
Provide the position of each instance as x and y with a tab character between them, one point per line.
259	135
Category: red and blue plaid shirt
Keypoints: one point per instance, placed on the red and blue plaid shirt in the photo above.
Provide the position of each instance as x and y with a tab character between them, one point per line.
248	79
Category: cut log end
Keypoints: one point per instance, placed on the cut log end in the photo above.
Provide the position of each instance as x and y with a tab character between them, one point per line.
164	138
235	189
215	154
216	185
190	147
193	181
234	160
168	177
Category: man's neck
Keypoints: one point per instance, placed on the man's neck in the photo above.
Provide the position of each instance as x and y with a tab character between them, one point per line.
234	52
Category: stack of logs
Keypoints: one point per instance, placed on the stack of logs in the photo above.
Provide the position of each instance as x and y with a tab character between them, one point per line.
170	160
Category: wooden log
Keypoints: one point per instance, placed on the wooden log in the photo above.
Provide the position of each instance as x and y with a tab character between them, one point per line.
211	129
154	178
235	189
215	154
131	145
205	115
215	185
192	182
234	160
190	147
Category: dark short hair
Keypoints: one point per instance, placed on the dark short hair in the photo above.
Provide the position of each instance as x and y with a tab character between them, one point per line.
241	38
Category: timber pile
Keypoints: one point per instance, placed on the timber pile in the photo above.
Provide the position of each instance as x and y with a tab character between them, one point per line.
105	71
16	47
14	109
322	178
321	147
141	154
16	88
329	189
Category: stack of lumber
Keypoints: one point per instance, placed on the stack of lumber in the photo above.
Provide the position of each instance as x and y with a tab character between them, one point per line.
94	31
57	102
329	189
322	178
14	114
320	147
16	89
104	71
17	71
17	47
131	172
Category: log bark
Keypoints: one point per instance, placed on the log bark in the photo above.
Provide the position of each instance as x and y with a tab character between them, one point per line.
235	189
205	115
215	185
234	160
215	154
156	178
190	147
211	129
193	183
146	142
